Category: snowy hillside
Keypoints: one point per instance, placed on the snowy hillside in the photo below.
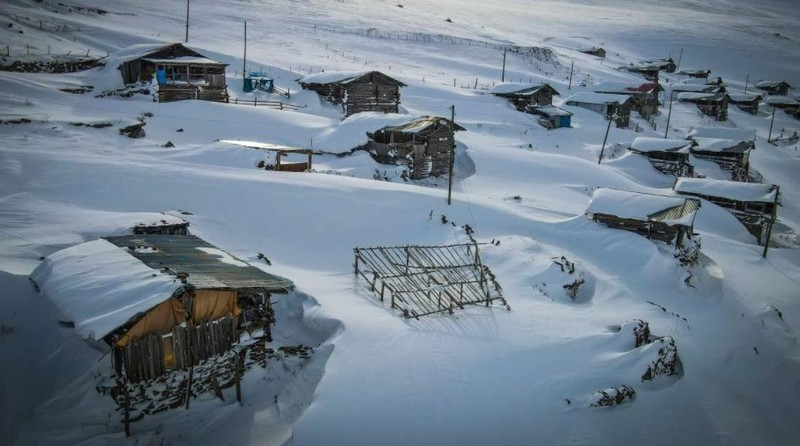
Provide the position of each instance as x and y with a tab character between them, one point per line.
483	375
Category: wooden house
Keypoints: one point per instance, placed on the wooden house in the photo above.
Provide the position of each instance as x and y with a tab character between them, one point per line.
424	144
778	88
753	204
668	65
525	95
746	102
356	91
696	88
732	155
786	103
668	156
714	105
649	71
612	106
552	117
695	73
180	72
644	94
667	219
162	302
594	51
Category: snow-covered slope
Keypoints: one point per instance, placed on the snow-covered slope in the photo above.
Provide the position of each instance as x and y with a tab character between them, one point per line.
483	375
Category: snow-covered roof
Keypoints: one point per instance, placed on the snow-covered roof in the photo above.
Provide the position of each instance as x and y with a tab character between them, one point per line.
550	110
782	100
625	88
185	60
689	96
695	88
100	286
731	190
644	207
722	133
770	83
722	145
518	88
419	124
645	144
596	98
694	71
327	77
745	97
138	51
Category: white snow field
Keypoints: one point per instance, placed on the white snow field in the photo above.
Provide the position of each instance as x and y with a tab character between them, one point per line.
484	375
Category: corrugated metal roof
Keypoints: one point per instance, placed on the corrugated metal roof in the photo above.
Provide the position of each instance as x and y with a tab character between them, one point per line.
187	254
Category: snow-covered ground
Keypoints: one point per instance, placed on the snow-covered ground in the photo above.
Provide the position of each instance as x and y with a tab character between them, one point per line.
482	375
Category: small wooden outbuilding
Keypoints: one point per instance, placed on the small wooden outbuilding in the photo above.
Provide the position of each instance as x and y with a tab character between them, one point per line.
612	106
552	117
649	71
695	73
667	219
525	95
424	144
356	91
668	65
714	105
746	102
668	156
162	302
594	51
778	88
730	154
696	88
181	72
786	103
645	95
753	204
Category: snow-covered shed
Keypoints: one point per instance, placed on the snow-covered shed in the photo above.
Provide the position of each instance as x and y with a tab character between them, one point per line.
552	117
356	91
664	218
667	64
753	204
695	88
714	105
594	51
669	156
786	103
648	70
524	95
164	224
181	72
425	144
644	94
696	73
722	133
612	106
748	102
162	302
778	88
732	155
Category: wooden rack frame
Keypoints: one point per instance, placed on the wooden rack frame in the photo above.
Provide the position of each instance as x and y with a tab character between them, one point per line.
423	280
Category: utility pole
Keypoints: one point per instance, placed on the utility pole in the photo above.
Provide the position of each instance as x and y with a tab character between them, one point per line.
746	81
452	154
503	76
608	129
187	21
771	221
571	66
669	114
680	57
244	66
771	121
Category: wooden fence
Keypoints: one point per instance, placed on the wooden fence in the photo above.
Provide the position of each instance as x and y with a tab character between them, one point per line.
279	105
151	356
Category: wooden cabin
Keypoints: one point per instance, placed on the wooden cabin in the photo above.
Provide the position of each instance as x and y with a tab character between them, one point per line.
594	51
612	106
746	102
162	302
552	117
778	88
786	103
668	65
525	95
695	73
181	72
753	204
714	105
645	95
696	88
356	91
649	71
662	218
424	144
732	155
668	156
164	225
